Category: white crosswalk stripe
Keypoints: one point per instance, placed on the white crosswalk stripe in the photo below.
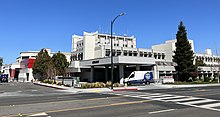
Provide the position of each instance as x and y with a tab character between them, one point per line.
183	99
210	104
165	98
200	101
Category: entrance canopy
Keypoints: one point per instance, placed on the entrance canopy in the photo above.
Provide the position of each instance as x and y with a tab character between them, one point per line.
131	60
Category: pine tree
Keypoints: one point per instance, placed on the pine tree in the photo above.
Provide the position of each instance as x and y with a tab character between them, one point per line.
60	63
40	66
183	54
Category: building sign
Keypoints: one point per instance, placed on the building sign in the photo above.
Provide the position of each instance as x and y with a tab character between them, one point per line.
94	62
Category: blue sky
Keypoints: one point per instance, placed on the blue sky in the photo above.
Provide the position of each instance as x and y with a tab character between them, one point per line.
35	24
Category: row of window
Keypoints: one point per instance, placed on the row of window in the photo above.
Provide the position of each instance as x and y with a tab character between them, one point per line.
27	57
208	59
124	45
133	53
76	57
115	38
160	63
79	49
79	44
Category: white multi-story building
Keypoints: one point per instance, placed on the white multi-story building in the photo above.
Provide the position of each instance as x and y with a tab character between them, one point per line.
211	61
91	57
166	67
211	66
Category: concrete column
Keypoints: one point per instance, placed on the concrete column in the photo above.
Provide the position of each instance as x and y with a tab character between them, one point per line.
92	74
137	67
202	77
121	72
212	76
156	73
106	73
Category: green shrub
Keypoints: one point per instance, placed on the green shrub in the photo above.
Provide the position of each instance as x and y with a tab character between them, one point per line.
108	84
98	85
59	83
116	85
207	79
102	84
53	82
47	81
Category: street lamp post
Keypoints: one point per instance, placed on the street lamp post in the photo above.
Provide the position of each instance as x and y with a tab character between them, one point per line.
112	65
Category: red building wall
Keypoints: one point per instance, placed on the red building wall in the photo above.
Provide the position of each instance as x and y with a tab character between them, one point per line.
30	62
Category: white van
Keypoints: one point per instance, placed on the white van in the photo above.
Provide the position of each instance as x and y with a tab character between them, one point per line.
139	77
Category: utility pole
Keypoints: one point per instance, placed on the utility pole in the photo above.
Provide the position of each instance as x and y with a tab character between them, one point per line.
112	64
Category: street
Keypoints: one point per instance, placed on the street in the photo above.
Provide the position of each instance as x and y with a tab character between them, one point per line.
26	99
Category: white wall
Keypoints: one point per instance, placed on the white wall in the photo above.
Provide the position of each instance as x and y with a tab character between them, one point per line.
75	39
88	46
168	47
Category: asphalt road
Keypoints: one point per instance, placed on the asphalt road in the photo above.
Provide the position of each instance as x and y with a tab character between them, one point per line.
26	99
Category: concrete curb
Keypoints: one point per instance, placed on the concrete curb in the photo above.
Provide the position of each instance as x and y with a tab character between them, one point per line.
125	88
51	86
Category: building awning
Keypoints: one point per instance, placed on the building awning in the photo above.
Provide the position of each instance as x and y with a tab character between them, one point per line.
130	60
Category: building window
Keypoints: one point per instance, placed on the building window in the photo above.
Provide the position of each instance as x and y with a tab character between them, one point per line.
159	56
107	52
118	52
150	54
145	54
81	57
135	53
141	54
163	55
155	55
132	46
126	45
130	53
113	52
125	53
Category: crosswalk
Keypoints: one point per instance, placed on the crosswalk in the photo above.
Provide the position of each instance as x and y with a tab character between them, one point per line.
199	102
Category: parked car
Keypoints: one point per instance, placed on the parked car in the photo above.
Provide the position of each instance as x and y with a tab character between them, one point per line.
4	78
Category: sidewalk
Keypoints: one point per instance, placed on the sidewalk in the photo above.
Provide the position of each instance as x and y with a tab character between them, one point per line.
185	86
145	87
72	89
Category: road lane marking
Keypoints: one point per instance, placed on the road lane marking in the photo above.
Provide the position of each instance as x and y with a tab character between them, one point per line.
188	100
57	102
158	96
39	114
83	108
183	99
210	105
161	111
200	101
164	98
